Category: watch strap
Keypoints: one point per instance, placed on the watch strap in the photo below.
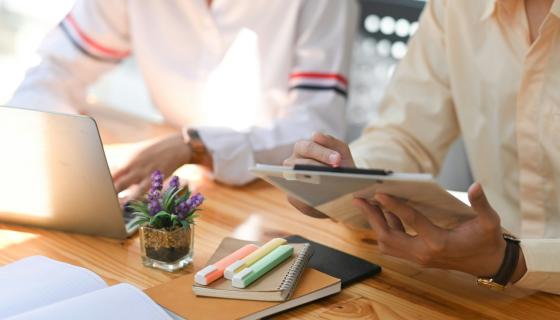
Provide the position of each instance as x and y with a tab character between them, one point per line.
509	264
507	268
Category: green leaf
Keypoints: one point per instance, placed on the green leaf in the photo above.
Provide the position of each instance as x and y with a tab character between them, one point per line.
190	219
183	198
139	221
184	224
175	221
141	215
168	199
139	207
165	198
191	213
161	220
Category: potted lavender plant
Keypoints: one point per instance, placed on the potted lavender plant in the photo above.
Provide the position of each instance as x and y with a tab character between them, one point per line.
167	224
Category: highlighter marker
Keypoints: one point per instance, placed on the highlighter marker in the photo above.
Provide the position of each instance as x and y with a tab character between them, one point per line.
240	264
261	267
215	271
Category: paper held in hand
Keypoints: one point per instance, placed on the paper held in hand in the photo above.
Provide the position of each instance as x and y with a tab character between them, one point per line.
331	191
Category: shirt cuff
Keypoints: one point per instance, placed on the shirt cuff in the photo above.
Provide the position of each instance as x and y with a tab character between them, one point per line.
232	154
543	266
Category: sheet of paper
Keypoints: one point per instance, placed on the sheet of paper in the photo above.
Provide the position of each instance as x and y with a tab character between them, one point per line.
118	302
39	281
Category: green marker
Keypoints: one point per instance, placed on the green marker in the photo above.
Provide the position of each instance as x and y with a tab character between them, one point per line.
261	267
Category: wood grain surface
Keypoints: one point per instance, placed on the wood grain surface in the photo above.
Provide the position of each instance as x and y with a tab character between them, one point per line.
260	212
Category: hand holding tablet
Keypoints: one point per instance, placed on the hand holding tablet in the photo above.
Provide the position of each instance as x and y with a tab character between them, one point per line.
331	191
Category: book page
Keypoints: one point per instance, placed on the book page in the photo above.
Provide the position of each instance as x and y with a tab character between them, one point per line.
38	281
118	302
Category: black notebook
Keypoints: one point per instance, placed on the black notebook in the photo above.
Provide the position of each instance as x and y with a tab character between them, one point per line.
348	268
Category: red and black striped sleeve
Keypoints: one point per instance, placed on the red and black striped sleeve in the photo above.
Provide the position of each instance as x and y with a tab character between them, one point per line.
319	81
98	30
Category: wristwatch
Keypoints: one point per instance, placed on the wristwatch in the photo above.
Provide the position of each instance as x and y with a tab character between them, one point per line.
198	149
507	268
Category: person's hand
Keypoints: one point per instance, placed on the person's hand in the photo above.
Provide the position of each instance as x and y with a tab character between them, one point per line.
166	154
322	150
475	246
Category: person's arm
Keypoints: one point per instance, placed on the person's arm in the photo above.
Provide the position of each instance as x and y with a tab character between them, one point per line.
417	121
317	97
416	125
92	39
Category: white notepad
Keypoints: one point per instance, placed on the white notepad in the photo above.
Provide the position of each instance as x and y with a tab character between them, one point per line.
41	288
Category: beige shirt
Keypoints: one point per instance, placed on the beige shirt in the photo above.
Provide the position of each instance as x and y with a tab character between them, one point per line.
471	70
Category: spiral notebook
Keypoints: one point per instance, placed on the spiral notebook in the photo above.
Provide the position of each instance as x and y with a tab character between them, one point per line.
277	285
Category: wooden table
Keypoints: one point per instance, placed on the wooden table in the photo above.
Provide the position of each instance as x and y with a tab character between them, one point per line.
260	212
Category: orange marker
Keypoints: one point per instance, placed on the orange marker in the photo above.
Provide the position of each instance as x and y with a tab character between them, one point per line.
215	271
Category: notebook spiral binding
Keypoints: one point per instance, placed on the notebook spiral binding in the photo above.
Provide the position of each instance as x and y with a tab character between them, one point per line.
296	270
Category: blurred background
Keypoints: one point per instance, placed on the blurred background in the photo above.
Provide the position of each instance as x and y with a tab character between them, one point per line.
385	28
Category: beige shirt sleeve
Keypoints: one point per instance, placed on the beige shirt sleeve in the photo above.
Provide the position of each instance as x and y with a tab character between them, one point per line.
416	122
543	265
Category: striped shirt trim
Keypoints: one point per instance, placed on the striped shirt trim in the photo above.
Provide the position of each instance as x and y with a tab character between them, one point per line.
336	89
317	81
89	46
319	75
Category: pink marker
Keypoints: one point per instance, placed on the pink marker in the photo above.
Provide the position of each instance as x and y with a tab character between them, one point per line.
215	271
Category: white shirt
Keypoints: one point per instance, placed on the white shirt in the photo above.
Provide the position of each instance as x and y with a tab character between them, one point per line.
253	76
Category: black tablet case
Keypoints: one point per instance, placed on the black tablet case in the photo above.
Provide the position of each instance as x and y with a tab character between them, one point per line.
349	269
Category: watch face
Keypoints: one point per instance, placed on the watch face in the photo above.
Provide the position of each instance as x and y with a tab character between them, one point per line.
489	283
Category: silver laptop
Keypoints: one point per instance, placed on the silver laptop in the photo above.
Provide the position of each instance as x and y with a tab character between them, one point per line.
54	174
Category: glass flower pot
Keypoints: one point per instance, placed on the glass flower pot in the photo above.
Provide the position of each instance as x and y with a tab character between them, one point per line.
168	250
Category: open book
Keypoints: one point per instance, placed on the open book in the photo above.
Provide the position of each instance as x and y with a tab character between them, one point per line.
40	288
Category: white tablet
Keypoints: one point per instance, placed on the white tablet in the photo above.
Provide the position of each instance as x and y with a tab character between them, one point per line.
331	190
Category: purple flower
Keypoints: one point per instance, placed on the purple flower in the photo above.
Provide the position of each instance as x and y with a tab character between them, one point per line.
182	210
174	183
195	201
186	207
153	195
157	180
154	206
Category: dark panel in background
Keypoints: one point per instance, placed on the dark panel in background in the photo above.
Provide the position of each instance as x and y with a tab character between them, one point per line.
385	27
397	9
